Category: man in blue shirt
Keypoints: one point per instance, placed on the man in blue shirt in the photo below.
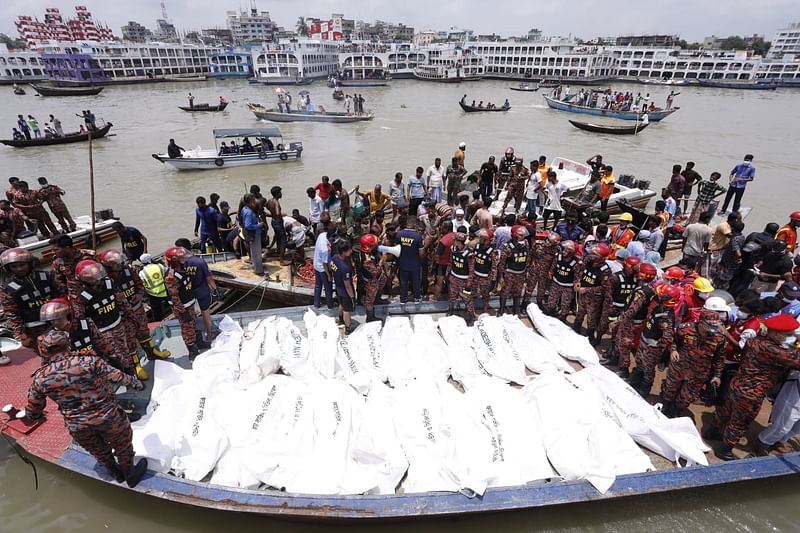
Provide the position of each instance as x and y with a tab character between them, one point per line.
206	220
248	220
741	174
789	294
569	230
343	278
409	264
134	244
203	287
322	272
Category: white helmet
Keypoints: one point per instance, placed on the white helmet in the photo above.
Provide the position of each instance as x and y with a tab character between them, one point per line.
715	303
462	145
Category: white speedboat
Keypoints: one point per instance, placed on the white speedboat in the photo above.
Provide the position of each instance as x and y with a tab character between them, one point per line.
268	147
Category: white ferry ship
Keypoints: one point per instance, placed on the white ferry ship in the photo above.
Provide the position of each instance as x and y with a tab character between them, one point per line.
20	66
295	62
451	64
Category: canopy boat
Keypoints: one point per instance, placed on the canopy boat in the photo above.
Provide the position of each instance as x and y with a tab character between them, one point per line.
44	90
274	115
19	91
663	82
582	406
67	138
613	130
269	149
525	87
205	107
755	85
653	116
476	109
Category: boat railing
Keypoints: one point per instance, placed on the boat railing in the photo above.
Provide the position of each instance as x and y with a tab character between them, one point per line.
571	166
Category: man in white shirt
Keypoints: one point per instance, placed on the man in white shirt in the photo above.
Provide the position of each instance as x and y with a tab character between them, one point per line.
434	178
552	206
460	220
316	206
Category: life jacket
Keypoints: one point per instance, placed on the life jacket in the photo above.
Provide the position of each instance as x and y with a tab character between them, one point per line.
623	291
126	284
30	294
591	277
621	240
153	279
484	257
564	271
184	288
459	266
506	165
652	330
788	235
102	305
80	336
517	259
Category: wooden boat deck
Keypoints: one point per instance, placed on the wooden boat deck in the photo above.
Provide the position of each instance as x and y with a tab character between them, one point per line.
51	442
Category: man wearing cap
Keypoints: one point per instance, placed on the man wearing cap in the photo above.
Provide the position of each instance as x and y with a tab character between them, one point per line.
593	284
696	354
621	234
741	175
788	233
513	265
461	271
765	360
459	221
789	292
458	155
516	184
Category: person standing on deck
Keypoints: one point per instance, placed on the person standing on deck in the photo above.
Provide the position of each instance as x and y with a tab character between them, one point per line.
205	219
191	100
204	288
30	203
434	178
453	176
691	178
512	268
276	214
373	270
788	232
22	124
57	126
741	175
516	184
460	276
322	273
51	194
252	228
410	260
504	171
152	276
488	173
459	154
179	289
343	278
416	191
593	285
62	269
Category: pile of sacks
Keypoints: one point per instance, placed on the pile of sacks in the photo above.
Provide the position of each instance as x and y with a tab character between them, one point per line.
317	413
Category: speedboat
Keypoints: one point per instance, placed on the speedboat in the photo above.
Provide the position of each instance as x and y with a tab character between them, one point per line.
270	150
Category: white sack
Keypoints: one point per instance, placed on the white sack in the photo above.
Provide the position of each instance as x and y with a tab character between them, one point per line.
464	364
323	334
494	354
537	353
568	343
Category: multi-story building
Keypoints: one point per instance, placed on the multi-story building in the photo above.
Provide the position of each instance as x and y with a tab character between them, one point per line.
786	41
425	38
783	60
135	32
217	36
251	27
294	60
165	31
661	41
54	27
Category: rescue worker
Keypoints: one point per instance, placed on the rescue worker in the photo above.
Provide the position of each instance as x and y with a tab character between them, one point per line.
30	203
100	301
656	337
460	275
627	329
63	266
592	285
130	286
485	268
623	283
788	233
152	276
51	195
372	270
784	421
512	268
83	388
696	354
23	295
506	164
695	296
516	184
543	256
764	363
621	235
562	288
57	313
179	289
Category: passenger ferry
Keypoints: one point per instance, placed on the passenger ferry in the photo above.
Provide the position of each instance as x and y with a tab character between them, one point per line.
451	64
20	66
363	70
230	64
295	62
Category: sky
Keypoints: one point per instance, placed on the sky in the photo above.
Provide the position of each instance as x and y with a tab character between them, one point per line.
691	19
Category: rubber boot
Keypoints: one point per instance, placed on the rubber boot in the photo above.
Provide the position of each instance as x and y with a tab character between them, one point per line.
193	351
502	306
152	351
576	327
668	409
135	473
635	378
644	388
201	343
371	316
725	452
611	357
116	473
712	433
515	307
592	336
450	310
623	373
141	373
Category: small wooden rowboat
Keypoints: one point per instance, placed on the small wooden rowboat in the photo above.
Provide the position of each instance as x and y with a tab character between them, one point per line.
65	91
613	130
204	107
75	137
475	109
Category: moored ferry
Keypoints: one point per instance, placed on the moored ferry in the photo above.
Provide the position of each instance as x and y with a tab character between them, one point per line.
295	62
451	64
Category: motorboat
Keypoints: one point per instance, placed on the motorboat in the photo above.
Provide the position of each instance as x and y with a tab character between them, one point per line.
270	149
320	115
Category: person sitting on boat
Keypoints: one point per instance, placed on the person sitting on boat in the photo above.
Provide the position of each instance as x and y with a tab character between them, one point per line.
81	129
234	148
247	147
17	135
173	150
651	107
223	149
480	104
49	132
222	100
473	103
506	104
267	145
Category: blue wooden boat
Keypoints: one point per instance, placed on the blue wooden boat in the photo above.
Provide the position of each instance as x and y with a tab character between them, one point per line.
654	116
51	442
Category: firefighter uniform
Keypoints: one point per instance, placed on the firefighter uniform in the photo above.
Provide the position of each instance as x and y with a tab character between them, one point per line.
109	311
462	266
543	255
656	337
562	289
63	272
21	299
179	288
512	268
506	164
617	300
597	281
630	326
485	270
373	274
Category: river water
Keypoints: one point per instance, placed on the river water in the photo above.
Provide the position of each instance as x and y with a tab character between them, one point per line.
415	123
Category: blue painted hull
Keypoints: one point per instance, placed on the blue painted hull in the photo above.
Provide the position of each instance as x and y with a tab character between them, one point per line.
654	116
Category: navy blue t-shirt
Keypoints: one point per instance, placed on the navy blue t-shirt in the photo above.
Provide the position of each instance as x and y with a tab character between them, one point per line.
198	269
342	274
132	243
410	242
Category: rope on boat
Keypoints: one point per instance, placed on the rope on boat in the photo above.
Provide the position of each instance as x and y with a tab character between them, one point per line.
262	284
14	446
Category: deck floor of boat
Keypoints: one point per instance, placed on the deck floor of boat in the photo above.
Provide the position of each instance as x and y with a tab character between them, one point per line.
276	272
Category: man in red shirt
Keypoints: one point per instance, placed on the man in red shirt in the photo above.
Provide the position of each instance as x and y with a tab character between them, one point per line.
324	188
443	249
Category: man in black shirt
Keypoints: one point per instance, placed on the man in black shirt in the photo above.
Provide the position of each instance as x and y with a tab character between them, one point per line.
692	178
488	172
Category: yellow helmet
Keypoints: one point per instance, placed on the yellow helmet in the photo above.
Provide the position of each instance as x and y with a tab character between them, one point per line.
702	285
626	217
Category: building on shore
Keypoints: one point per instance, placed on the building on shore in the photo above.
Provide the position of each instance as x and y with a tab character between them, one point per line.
55	28
136	33
250	27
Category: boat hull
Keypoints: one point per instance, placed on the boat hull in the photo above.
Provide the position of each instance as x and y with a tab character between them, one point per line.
66	91
204	108
283	81
333	118
66	139
470	109
611	130
746	86
654	116
520	89
363	83
245	160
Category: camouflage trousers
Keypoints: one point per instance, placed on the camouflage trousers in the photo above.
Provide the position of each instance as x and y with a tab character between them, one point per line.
480	287
626	341
136	327
685	380
735	415
559	299
607	315
106	438
112	345
590	306
188	328
647	358
374	288
456	294
537	281
512	285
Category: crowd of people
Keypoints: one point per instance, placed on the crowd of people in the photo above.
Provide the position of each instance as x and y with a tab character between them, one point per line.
22	212
612	100
28	128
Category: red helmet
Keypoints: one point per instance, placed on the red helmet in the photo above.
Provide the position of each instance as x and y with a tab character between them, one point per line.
111	259
674	273
510	150
89	271
54	341
553	237
632	261
368	242
795	216
54	309
15	255
176	256
669	295
568	246
647	272
519	232
601	249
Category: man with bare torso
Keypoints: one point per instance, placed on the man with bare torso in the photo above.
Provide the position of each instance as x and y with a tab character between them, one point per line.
276	214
